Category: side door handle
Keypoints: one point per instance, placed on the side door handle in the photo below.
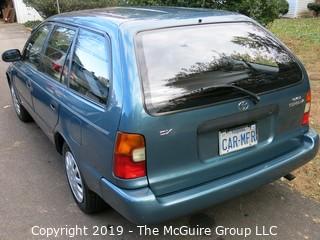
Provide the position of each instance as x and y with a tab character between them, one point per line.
53	107
28	83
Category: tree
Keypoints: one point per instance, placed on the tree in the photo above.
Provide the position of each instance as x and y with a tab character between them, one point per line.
264	11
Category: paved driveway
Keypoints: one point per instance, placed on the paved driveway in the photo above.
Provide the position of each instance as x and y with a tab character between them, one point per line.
33	190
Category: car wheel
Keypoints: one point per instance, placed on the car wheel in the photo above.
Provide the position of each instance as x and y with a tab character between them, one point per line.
22	113
88	201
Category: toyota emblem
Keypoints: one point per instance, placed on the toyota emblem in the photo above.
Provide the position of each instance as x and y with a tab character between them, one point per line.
243	106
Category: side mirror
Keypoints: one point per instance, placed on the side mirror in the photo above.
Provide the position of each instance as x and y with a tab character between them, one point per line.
12	55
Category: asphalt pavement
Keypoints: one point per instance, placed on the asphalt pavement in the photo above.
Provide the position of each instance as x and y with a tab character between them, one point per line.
35	200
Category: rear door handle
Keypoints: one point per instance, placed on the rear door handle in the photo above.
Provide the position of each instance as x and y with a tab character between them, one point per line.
53	107
28	83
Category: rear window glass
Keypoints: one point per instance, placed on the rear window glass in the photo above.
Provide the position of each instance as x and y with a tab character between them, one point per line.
176	63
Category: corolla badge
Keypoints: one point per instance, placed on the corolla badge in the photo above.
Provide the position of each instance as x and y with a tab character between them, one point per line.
243	106
296	101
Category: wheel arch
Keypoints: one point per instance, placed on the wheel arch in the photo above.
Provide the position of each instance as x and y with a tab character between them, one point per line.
59	141
8	79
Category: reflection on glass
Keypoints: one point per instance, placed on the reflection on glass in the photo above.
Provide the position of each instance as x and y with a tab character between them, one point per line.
180	61
57	49
32	54
90	67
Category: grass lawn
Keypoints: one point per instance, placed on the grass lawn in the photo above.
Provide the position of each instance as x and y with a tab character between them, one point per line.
302	36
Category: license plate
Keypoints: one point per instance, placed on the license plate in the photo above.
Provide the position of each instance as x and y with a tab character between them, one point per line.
237	139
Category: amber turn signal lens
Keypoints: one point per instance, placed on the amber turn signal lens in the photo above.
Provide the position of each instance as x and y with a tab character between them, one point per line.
306	116
126	143
129	156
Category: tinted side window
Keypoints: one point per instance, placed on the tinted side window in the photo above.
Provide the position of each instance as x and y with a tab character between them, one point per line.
90	69
56	51
32	54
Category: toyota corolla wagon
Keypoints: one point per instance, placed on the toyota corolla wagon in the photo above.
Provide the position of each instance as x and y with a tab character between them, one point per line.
161	112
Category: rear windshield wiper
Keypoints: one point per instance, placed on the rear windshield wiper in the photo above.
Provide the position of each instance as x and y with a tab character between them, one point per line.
254	97
248	64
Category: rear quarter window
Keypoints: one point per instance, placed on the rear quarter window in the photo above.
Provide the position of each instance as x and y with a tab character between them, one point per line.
91	67
176	62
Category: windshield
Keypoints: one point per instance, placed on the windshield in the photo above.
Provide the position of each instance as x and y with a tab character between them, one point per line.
178	61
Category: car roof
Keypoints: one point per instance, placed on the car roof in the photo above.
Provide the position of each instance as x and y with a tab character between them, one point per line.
142	18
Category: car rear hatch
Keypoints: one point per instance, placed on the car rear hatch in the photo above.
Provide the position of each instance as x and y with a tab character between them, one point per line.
220	98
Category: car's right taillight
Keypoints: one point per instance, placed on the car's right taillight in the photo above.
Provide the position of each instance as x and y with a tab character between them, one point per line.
306	115
129	156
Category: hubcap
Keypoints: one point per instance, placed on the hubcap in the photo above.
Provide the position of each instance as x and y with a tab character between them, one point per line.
74	177
15	101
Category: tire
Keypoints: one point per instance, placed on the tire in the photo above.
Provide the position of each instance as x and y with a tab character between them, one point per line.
89	202
21	112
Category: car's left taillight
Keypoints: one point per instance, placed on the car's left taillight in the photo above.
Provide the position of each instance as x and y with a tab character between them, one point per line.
306	115
129	156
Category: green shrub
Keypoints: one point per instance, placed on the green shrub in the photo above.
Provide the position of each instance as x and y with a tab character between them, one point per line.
283	7
176	3
32	24
264	11
47	8
314	7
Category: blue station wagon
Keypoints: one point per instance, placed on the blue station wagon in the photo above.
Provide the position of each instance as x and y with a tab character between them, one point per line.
161	112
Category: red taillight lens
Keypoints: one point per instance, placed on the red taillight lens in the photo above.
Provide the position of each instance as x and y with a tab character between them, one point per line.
129	156
306	116
56	67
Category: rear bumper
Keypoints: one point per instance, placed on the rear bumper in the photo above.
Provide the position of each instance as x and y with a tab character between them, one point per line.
142	206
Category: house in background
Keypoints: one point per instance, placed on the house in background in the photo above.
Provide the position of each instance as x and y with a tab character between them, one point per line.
16	10
298	8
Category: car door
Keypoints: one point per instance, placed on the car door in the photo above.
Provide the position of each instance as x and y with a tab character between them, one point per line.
27	70
49	85
90	112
